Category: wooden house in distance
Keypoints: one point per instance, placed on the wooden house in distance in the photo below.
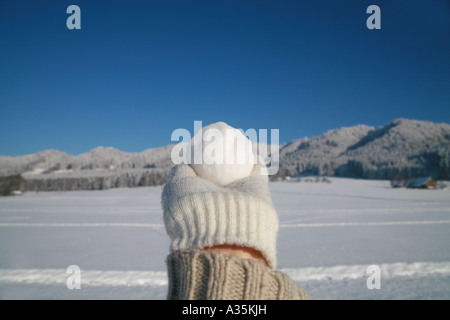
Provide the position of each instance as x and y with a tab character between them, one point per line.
417	183
422	183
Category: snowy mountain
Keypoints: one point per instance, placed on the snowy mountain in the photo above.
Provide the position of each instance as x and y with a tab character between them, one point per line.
320	155
53	161
412	148
100	168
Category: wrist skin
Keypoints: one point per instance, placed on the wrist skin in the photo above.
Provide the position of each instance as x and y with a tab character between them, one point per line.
239	252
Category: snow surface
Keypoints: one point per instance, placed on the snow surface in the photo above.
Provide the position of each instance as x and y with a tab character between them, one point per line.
329	234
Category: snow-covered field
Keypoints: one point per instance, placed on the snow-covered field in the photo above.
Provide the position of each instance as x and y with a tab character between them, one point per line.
329	235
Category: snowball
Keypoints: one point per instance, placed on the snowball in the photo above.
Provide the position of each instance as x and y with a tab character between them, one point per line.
221	154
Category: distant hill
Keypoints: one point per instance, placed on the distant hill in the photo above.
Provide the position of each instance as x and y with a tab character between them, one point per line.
100	158
100	168
412	148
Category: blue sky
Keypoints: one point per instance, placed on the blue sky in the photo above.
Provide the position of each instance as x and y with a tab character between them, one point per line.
137	70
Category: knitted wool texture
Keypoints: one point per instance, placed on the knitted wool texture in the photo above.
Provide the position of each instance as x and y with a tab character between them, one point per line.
199	214
207	275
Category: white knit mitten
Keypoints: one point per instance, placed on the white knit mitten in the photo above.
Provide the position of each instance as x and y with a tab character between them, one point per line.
200	214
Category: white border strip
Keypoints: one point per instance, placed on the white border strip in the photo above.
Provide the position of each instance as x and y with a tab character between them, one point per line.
83	225
388	270
362	224
159	278
282	225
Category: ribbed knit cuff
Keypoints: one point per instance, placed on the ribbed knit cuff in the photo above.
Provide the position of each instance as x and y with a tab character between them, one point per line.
207	275
199	214
210	218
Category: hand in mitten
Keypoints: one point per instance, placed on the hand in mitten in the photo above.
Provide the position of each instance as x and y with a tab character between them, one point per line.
198	214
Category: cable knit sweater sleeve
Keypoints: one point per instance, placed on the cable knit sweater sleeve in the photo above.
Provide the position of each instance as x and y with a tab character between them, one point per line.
207	275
